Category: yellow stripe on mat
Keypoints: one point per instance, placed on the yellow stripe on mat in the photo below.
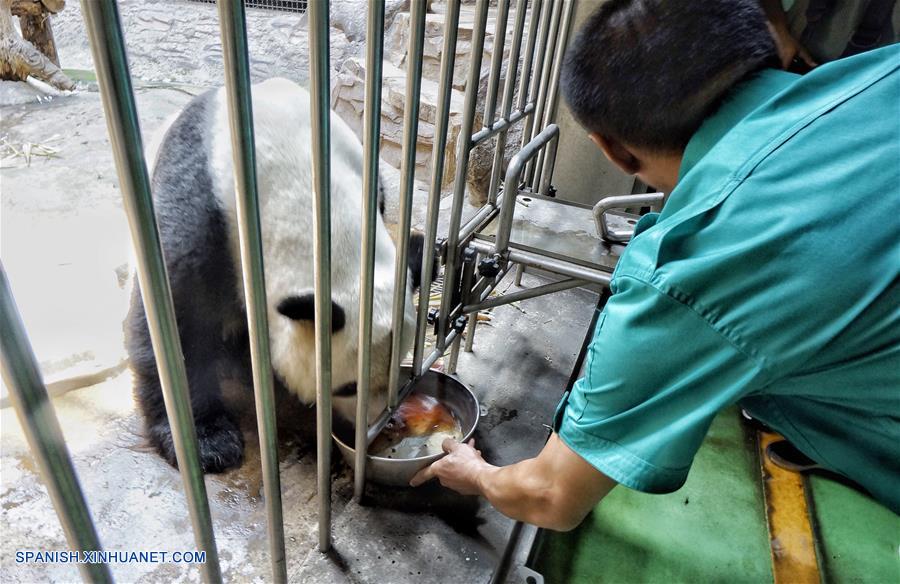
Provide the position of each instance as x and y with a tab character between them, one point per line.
787	514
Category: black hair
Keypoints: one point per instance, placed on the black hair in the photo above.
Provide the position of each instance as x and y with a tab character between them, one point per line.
648	72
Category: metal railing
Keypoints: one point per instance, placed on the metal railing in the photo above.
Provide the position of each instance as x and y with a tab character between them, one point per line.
465	290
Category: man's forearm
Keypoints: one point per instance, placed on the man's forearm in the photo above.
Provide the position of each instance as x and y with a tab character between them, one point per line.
520	491
556	489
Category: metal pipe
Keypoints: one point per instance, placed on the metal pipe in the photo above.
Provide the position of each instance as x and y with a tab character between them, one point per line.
45	439
407	179
240	113
621	202
108	49
468	273
549	264
548	62
484	286
500	150
490	102
547	162
451	28
470	332
542	167
500	574
320	89
438	353
525	294
525	78
513	175
481	218
471	324
371	140
520	271
537	70
462	163
500	125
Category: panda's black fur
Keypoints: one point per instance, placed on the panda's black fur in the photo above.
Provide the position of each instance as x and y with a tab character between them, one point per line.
192	183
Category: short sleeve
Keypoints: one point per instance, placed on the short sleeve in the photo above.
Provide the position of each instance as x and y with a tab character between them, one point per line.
656	375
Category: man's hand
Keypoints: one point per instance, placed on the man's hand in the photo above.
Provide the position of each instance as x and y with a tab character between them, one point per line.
459	470
556	489
789	48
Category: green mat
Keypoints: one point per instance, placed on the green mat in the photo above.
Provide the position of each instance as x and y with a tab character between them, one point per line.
714	528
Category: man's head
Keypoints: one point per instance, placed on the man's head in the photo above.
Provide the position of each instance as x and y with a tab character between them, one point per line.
642	75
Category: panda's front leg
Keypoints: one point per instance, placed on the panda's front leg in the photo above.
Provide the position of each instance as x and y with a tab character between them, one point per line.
220	440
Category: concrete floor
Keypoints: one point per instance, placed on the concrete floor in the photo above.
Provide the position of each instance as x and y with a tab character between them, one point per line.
64	246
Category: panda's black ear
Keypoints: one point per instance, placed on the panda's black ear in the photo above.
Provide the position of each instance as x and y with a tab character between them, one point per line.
416	259
303	307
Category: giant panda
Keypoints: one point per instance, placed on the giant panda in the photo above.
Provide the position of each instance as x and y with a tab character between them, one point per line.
194	197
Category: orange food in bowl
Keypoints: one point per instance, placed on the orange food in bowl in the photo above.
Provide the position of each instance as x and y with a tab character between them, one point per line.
423	414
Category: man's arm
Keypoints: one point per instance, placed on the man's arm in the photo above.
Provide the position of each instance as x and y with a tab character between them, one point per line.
788	47
556	489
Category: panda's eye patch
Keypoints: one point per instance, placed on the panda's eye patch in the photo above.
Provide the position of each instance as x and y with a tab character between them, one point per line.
304	308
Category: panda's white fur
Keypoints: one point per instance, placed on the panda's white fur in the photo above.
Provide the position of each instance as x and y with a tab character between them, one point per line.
281	118
193	188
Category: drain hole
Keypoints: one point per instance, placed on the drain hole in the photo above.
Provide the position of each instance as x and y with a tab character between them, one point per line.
526	199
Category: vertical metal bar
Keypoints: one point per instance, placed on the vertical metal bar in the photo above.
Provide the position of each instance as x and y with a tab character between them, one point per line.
41	428
546	12
546	161
548	63
108	48
320	112
468	274
490	102
470	332
462	163
520	271
513	175
371	139
543	169
511	68
240	113
451	29
524	80
414	57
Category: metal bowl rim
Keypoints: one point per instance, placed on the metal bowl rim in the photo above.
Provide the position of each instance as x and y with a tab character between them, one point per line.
465	438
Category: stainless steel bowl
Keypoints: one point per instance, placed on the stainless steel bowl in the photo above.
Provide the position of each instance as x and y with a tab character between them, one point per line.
398	471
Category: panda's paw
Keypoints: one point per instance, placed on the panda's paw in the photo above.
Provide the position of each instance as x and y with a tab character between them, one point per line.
220	441
221	445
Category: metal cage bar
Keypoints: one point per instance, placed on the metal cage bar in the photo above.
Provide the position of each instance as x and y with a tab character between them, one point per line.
527	62
415	54
537	68
320	112
506	106
240	114
546	160
546	73
448	58
45	438
371	140
490	101
462	162
108	48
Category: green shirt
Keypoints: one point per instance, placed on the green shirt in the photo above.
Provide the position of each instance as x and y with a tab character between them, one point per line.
771	279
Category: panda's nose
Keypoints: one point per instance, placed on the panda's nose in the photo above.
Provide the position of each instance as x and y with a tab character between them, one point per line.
303	307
